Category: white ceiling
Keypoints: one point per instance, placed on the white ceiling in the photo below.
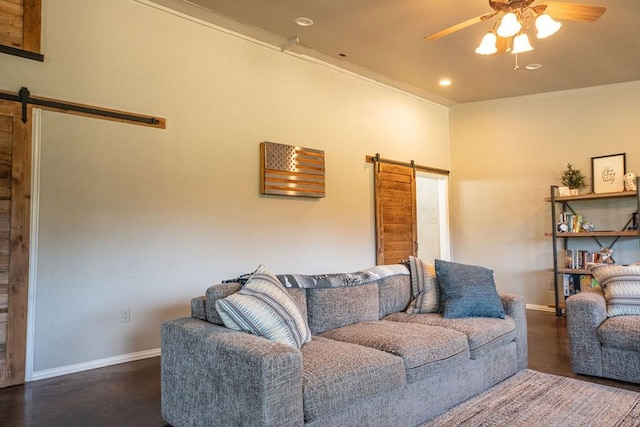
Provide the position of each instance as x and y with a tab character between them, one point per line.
384	40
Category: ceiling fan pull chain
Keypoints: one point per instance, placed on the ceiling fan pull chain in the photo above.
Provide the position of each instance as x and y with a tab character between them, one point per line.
517	67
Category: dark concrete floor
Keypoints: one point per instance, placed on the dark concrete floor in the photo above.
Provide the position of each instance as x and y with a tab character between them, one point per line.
549	349
129	394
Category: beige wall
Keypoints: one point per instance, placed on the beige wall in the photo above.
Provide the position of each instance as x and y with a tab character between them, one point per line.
504	156
132	217
146	218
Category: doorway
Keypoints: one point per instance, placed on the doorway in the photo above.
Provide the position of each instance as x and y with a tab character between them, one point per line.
432	206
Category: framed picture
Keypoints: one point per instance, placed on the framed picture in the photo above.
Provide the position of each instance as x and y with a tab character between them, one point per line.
607	173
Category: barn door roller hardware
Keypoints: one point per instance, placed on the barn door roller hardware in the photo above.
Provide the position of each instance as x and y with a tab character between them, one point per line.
412	164
24	97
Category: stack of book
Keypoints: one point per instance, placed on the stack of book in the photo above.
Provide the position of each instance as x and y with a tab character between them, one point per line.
577	258
574	222
574	283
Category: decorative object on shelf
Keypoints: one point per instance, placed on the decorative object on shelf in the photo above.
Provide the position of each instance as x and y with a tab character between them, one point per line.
606	256
574	179
287	170
608	172
588	227
630	182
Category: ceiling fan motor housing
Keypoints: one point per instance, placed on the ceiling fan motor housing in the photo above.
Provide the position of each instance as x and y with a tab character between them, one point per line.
509	5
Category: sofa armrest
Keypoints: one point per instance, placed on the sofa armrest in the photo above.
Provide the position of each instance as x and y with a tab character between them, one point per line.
212	375
585	313
514	306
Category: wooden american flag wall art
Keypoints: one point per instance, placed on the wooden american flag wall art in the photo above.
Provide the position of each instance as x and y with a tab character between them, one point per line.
287	170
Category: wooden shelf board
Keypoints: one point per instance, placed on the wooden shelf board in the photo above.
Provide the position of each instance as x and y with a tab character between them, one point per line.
574	271
627	233
593	196
571	271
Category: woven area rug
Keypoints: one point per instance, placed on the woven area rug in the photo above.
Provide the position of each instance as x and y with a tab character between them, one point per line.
532	398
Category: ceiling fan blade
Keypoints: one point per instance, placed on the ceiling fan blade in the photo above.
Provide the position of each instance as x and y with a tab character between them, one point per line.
571	11
460	26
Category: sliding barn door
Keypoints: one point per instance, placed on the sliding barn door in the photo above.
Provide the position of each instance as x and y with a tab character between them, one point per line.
396	229
15	184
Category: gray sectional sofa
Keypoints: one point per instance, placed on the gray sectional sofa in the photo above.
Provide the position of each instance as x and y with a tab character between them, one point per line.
369	362
599	345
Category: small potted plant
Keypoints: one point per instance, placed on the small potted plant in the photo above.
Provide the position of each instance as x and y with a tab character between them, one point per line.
574	179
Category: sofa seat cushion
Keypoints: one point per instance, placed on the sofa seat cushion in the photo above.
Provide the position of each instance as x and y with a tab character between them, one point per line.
424	349
621	332
483	333
338	374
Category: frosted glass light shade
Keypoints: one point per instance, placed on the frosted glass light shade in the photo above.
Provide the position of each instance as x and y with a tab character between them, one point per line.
521	44
487	45
546	26
509	25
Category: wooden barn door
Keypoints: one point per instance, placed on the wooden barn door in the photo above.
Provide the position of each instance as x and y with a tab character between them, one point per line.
396	228
15	186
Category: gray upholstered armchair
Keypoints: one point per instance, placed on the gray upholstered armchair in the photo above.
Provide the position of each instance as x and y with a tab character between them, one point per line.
599	345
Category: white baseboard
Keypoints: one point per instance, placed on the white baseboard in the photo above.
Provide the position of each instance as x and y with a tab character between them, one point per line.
131	357
540	308
94	364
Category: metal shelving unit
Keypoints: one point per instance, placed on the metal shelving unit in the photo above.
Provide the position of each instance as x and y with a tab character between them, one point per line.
556	235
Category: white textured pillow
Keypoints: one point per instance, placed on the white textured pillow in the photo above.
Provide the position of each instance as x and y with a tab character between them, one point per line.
264	308
621	286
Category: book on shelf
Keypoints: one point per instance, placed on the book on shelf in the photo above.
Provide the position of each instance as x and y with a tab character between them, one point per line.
574	283
578	258
573	221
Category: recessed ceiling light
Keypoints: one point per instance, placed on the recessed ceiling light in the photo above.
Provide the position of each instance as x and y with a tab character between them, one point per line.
304	22
533	66
445	82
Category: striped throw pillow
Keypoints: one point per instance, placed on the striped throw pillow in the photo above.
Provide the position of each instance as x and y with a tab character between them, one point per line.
424	287
621	286
264	308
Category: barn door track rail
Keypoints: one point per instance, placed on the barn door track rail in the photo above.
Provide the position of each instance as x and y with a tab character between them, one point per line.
24	97
377	159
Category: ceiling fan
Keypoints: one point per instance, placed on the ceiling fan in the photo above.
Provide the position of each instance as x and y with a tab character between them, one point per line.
516	16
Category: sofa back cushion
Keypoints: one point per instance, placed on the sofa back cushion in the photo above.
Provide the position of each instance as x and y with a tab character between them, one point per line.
329	308
213	294
395	294
199	307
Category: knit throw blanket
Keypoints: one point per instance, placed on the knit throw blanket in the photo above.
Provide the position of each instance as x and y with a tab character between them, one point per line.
335	280
339	280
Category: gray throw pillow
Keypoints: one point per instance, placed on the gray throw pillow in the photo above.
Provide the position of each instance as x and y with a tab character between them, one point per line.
468	291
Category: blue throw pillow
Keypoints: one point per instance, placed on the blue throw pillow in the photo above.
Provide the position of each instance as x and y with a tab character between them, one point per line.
468	291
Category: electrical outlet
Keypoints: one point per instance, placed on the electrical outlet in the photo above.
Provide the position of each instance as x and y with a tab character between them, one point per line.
125	315
550	285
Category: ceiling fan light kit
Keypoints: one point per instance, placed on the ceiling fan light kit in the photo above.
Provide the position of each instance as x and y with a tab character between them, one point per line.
521	44
517	16
546	26
509	25
487	45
